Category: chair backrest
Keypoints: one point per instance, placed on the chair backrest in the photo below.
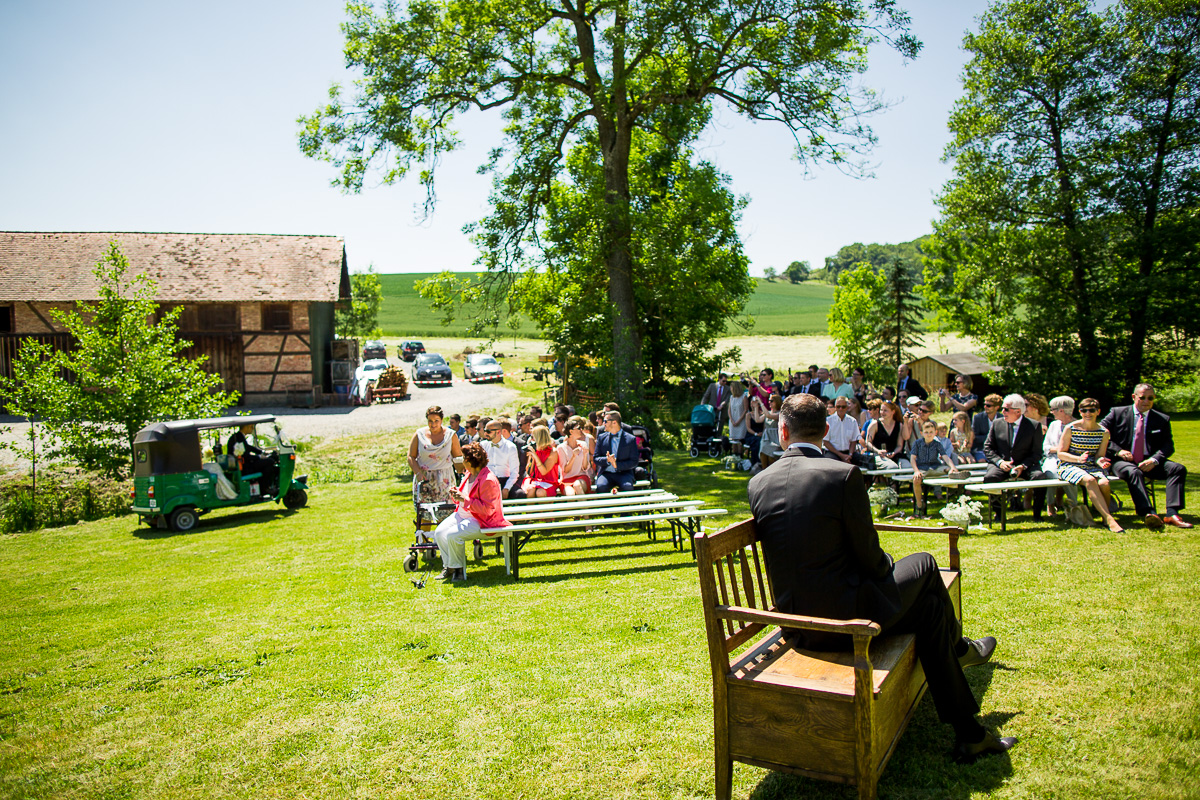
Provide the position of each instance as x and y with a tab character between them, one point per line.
732	573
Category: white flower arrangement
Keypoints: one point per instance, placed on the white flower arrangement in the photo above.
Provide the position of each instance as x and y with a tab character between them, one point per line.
731	462
962	511
883	496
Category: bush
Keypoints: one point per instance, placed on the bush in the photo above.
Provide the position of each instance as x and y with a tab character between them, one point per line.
60	500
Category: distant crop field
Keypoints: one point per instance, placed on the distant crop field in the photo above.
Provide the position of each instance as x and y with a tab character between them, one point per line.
779	308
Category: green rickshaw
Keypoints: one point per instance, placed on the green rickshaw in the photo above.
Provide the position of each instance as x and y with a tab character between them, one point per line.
174	484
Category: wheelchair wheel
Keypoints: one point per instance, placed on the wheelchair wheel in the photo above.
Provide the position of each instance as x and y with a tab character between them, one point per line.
410	563
478	550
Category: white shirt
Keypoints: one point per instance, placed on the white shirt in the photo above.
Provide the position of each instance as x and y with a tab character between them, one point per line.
843	432
503	461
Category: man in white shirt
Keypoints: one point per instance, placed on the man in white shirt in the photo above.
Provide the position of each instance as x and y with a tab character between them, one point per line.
503	460
843	435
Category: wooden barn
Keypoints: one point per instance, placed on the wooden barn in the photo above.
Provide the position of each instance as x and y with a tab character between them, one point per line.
259	306
938	371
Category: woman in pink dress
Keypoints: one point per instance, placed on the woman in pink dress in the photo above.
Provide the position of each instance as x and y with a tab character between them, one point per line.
573	459
543	463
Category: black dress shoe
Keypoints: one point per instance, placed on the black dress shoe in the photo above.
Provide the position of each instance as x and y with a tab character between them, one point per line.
979	651
966	752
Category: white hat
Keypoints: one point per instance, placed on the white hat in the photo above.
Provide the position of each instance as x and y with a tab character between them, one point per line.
912	401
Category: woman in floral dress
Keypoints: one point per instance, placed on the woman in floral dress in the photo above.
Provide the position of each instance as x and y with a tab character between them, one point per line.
431	456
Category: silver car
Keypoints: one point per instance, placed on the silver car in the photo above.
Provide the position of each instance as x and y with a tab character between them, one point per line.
480	367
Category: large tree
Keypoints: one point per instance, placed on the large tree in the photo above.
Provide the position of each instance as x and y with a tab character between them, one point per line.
563	69
1065	231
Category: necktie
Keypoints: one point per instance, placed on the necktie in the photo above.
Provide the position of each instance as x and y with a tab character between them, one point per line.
1139	439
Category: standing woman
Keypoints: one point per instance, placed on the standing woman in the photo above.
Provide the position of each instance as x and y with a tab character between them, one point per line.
478	505
858	385
1079	450
432	454
963	398
837	386
738	412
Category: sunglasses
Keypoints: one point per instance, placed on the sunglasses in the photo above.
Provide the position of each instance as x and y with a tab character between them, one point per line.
1089	410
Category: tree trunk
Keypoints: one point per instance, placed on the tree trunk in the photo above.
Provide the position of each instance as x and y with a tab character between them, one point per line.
615	143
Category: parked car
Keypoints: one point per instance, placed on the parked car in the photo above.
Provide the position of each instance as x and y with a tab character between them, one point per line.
482	367
374	349
431	368
410	349
370	369
172	486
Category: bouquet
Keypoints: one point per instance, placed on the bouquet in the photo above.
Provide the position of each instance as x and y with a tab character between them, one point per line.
883	496
962	511
731	462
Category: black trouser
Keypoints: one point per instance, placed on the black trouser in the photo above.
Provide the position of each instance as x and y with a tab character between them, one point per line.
927	611
995	475
516	492
1174	473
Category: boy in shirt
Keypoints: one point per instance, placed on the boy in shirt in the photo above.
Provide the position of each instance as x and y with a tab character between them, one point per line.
928	460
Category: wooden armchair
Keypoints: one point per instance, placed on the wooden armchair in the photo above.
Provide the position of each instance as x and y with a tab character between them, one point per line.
831	715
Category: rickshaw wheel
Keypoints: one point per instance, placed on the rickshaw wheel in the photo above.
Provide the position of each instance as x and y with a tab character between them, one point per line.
410	563
183	519
295	498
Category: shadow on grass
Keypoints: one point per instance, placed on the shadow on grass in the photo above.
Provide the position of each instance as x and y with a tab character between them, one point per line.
922	766
251	516
495	575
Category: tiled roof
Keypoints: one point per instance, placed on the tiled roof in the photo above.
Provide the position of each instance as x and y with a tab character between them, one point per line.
188	267
963	363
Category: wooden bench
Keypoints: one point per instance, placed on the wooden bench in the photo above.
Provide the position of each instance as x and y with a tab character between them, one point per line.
960	481
643	510
1002	488
831	715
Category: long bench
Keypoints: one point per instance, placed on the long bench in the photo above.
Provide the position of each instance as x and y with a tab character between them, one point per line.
1002	488
643	508
836	715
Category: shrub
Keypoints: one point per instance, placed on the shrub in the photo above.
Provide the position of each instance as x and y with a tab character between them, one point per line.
60	500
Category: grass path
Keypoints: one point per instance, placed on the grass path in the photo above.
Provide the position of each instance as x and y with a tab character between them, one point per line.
285	654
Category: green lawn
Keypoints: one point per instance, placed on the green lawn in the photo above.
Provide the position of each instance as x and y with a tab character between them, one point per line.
778	308
286	654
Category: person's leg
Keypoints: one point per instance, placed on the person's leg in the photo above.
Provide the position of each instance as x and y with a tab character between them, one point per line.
625	481
918	493
603	484
516	493
1136	480
467	529
1176	476
928	612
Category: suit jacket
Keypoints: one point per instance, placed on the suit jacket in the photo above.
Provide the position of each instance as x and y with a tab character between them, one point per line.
1121	423
914	389
814	387
1026	450
627	452
710	397
822	551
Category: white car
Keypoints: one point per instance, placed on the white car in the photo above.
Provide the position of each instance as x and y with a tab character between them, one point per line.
370	369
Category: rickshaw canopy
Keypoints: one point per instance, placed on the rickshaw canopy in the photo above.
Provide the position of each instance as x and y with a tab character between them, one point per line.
174	446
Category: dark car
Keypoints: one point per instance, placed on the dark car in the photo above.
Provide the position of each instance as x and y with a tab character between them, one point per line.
431	368
374	349
480	367
410	349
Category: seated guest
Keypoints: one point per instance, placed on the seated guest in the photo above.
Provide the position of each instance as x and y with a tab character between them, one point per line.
858	385
717	395
943	437
543	464
962	399
874	408
1038	410
477	506
822	553
906	383
558	429
1062	409
1013	449
503	460
842	438
1079	450
981	424
574	458
886	437
928	459
616	456
1139	447
962	437
888	395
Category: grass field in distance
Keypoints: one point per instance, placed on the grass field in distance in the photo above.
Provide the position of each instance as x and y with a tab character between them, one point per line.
778	308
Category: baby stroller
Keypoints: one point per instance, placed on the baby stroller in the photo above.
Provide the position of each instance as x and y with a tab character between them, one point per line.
705	433
645	467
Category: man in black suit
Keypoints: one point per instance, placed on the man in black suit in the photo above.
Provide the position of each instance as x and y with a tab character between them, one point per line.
616	456
822	551
1013	449
907	383
1139	445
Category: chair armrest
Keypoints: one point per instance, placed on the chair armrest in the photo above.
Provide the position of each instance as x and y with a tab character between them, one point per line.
951	532
860	627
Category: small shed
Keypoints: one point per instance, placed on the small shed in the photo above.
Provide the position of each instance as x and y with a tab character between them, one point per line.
937	371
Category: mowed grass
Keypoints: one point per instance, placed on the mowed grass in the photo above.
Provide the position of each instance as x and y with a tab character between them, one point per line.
778	308
286	654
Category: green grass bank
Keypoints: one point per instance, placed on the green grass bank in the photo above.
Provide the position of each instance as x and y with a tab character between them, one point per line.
778	308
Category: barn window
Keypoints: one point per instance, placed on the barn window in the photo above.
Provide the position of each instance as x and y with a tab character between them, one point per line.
277	316
7	324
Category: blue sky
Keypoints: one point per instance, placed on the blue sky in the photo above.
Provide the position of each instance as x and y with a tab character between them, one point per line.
132	115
